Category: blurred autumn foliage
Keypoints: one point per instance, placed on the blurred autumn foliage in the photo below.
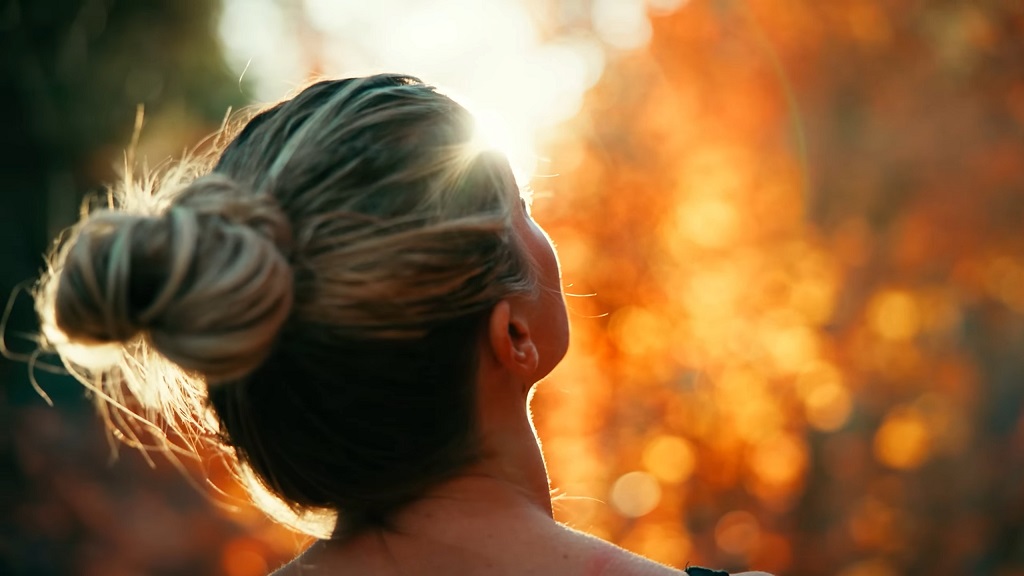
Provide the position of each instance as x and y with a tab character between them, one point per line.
795	230
803	223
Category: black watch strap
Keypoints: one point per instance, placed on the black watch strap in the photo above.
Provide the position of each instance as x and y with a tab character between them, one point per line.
699	571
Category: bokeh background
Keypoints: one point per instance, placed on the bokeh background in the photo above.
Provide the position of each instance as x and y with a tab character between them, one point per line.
793	232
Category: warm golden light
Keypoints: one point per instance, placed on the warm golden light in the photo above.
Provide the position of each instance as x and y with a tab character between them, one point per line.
828	406
518	80
1004	279
709	222
894	315
903	440
738	533
662	542
635	494
870	567
827	401
638	331
791	347
243	557
779	460
670	459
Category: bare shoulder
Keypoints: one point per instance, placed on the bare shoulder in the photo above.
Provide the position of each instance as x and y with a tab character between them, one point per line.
602	558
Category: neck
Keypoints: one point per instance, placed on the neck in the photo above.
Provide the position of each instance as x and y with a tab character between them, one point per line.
505	492
477	511
522	464
510	476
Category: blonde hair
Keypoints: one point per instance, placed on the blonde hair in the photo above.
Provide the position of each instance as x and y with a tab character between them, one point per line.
311	304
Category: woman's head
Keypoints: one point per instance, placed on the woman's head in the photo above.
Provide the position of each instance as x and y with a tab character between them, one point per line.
323	288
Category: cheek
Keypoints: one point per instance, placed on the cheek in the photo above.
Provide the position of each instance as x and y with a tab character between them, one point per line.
547	261
557	318
555	342
553	336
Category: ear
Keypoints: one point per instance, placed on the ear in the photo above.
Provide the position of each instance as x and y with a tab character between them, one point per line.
511	340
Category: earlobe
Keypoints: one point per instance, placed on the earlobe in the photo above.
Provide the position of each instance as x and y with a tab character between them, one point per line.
511	340
526	356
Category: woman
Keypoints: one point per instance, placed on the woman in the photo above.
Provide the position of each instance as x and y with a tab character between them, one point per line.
354	303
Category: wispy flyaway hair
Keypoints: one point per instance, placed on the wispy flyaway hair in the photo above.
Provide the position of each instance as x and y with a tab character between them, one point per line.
311	303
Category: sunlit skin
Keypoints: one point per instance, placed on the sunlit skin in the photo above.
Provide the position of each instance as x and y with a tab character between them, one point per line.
495	517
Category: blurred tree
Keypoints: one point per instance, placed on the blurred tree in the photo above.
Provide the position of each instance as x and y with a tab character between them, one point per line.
809	361
72	73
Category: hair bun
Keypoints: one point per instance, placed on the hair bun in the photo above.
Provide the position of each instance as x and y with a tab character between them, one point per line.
208	282
219	196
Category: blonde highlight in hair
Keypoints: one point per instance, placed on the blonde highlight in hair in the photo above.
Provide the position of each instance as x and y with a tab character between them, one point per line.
311	304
